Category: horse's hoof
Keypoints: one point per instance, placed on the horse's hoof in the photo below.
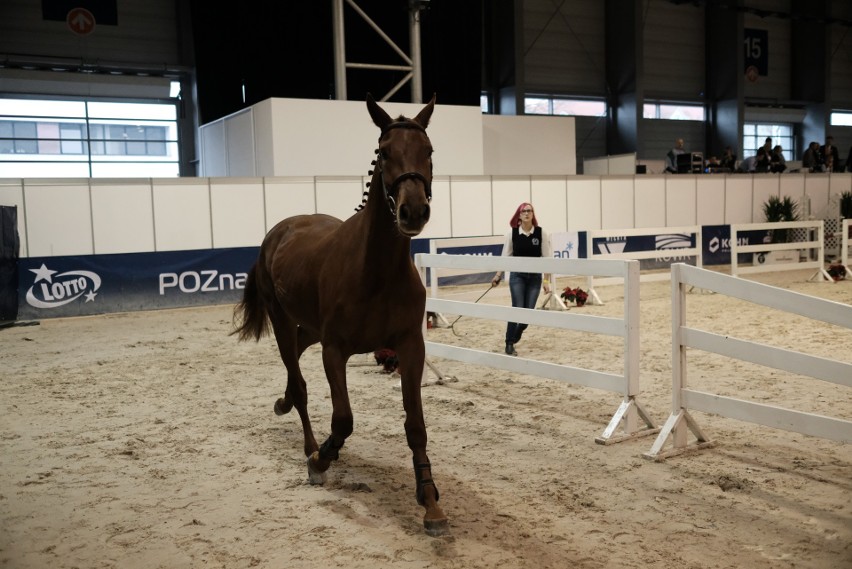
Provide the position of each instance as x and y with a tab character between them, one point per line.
282	406
437	528
315	477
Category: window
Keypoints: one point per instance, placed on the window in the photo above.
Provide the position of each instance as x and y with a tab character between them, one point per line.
673	112
484	105
840	118
755	135
564	107
40	138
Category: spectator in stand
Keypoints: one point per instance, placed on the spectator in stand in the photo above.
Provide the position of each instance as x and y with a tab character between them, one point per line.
767	145
728	159
810	159
777	163
829	155
671	157
762	161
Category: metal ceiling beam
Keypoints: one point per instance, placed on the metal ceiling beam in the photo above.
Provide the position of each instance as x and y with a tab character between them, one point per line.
411	63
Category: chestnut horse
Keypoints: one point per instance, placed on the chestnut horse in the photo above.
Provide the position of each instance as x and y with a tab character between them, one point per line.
352	287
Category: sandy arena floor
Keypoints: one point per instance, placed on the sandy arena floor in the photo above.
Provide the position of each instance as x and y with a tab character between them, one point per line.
148	440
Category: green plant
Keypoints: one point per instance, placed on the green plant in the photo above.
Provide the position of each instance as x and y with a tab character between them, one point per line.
780	209
846	205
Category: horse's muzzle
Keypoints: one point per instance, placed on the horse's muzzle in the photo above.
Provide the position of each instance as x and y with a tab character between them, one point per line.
412	218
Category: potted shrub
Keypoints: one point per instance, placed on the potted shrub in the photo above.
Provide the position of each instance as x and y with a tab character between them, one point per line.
846	205
780	209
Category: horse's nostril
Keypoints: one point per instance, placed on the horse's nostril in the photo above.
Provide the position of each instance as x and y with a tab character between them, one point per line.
427	211
404	213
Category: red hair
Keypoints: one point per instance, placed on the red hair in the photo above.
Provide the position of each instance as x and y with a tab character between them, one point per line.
516	219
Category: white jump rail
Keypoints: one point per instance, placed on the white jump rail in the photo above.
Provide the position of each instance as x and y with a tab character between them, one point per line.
449	243
655	253
684	399
845	249
630	411
817	245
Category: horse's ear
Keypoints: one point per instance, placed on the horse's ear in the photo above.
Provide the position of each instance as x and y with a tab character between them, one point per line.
380	118
423	116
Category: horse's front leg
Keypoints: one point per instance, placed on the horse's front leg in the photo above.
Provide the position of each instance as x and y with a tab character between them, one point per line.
334	362
411	359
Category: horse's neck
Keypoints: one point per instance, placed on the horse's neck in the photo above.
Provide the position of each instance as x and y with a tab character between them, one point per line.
383	238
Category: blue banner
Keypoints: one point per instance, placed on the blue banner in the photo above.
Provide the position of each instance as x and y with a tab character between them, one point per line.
716	244
98	284
666	244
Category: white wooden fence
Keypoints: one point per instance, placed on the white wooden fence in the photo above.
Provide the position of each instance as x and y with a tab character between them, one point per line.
680	423
630	411
814	247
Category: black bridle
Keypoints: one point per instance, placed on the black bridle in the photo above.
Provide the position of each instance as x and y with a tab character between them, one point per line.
394	187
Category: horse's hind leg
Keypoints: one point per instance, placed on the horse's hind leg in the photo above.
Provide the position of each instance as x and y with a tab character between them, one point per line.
292	341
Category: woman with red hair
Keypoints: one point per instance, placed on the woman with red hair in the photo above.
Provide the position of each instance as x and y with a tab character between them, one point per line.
526	239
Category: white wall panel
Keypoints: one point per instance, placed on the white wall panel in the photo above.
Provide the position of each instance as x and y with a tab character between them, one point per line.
12	194
214	153
680	200
339	197
764	185
528	145
240	141
738	199
59	218
584	203
837	185
286	197
470	196
817	188
550	202
507	194
617	202
68	217
236	210
710	200
122	216
650	196
338	138
440	222
182	214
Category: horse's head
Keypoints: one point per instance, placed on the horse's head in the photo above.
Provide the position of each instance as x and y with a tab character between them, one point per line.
404	166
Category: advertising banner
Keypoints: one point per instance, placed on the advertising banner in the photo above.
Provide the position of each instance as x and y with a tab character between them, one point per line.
667	244
9	250
716	246
51	287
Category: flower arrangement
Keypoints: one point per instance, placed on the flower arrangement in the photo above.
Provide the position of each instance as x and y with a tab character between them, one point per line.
576	295
837	271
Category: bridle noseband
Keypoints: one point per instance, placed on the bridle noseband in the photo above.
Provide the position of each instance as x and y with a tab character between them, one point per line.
394	187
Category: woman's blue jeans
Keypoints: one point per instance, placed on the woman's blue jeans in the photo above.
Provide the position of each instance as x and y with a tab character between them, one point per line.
524	288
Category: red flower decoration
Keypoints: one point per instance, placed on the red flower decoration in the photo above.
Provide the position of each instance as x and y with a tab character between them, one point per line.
576	295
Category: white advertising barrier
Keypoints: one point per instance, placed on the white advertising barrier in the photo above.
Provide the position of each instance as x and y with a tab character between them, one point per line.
684	399
630	411
663	244
815	248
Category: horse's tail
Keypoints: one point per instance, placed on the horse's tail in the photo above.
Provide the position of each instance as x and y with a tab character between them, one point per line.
250	317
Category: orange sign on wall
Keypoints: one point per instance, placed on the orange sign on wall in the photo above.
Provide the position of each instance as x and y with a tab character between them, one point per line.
80	21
